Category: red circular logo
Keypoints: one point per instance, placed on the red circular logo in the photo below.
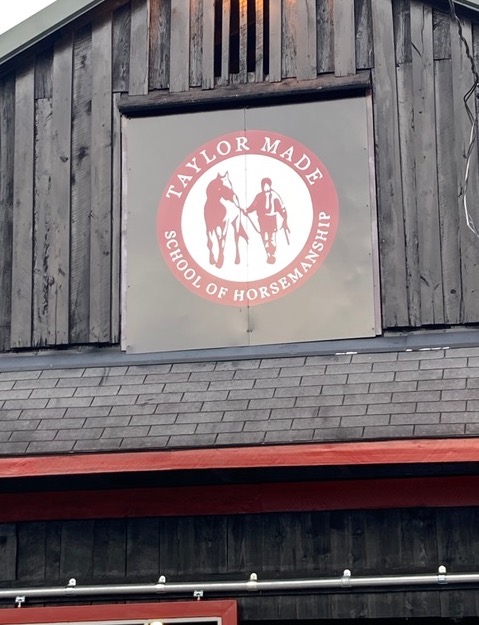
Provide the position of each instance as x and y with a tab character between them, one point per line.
247	218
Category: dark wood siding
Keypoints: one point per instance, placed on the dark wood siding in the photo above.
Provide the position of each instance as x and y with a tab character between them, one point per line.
280	545
60	130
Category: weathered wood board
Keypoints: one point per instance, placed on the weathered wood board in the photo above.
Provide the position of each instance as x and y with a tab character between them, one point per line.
22	245
281	545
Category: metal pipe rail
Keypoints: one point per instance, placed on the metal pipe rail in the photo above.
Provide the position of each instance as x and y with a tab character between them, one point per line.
198	589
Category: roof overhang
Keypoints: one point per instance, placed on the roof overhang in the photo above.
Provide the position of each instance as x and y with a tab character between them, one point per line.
469	4
41	25
278	456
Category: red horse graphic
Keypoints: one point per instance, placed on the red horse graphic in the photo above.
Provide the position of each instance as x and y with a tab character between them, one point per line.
222	212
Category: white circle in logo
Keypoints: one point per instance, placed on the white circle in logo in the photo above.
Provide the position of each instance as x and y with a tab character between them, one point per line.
247	218
245	174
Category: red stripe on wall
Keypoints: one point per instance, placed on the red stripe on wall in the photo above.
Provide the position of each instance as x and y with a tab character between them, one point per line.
242	499
226	610
327	454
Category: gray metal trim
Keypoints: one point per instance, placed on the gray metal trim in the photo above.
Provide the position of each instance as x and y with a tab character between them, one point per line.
114	357
41	25
469	4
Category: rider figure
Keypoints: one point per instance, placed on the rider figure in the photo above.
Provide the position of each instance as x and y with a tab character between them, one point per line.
268	206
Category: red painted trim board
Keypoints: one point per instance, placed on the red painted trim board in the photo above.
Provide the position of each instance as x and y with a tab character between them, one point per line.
325	454
242	499
226	610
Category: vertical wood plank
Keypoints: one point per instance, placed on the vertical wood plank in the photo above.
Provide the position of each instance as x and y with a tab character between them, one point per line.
101	191
159	63
462	81
275	40
176	546
121	48
344	38
81	188
197	40
142	553
388	168
211	539
22	259
116	223
457	538
288	39
447	192
243	41
53	547
348	606
31	541
139	45
109	555
441	25
208	46
402	29
318	530
418	539
179	46
59	259
306	39
275	542
43	74
325	36
259	47
430	266
8	552
244	543
43	288
364	34
76	558
7	142
225	41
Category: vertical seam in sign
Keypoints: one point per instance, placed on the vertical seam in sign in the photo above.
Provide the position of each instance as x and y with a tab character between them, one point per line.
248	307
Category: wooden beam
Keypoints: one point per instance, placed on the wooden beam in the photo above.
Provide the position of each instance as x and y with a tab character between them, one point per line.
429	243
422	451
289	39
80	189
59	261
23	210
7	149
180	46
306	33
234	499
225	42
43	291
189	610
208	46
239	95
259	48
388	169
344	38
275	40
325	36
101	172
139	47
159	44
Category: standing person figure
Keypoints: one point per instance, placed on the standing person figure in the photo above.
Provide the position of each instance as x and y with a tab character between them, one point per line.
269	206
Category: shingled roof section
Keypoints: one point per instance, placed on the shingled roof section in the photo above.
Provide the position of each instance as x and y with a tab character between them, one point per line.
247	402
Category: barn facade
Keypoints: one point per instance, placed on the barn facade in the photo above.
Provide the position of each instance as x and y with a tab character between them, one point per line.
238	314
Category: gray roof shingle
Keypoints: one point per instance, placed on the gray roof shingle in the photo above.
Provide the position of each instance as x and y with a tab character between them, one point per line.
339	397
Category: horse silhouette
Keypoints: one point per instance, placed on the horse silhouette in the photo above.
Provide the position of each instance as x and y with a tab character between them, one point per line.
222	212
